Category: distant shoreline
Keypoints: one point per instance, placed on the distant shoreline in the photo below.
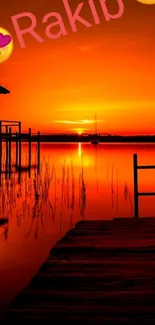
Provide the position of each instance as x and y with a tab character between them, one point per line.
101	139
63	138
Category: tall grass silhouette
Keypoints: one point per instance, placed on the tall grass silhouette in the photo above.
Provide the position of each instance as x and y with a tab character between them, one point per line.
31	198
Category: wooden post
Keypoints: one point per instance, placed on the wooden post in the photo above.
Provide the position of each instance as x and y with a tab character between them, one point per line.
38	152
135	166
17	153
10	138
20	146
19	175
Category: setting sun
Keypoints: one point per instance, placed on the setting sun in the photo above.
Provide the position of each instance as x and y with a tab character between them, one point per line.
79	131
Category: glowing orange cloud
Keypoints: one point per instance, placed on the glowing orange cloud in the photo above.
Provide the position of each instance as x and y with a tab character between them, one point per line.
79	122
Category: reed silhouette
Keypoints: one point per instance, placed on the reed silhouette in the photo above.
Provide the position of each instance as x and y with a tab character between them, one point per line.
38	197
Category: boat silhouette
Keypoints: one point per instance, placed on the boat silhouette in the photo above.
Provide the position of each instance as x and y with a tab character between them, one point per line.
95	139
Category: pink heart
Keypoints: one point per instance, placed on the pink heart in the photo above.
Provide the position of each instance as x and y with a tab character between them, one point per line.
4	40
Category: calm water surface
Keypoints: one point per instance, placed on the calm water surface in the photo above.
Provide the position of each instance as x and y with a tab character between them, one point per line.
77	181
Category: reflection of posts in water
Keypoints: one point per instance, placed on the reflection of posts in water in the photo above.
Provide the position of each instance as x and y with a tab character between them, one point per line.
7	152
19	176
0	150
38	152
29	147
96	167
10	139
20	154
17	150
20	146
29	153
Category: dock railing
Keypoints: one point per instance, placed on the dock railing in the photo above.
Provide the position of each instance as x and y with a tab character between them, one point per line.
7	137
136	192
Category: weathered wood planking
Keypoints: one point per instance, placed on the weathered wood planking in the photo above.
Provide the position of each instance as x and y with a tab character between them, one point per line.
101	272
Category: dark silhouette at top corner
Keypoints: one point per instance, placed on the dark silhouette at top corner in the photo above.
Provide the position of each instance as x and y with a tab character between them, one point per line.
4	91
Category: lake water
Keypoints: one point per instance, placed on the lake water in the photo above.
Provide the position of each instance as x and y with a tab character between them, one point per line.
76	182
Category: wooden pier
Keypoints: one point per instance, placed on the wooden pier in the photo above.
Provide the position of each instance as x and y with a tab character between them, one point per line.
11	132
101	272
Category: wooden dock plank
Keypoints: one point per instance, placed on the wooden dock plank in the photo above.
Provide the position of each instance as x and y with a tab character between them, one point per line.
101	272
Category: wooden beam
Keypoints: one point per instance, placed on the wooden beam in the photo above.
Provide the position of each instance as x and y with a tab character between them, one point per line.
146	167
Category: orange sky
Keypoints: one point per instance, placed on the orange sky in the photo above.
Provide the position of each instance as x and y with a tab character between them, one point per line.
108	70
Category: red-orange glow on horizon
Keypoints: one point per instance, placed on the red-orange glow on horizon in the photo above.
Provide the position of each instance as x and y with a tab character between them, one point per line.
79	131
